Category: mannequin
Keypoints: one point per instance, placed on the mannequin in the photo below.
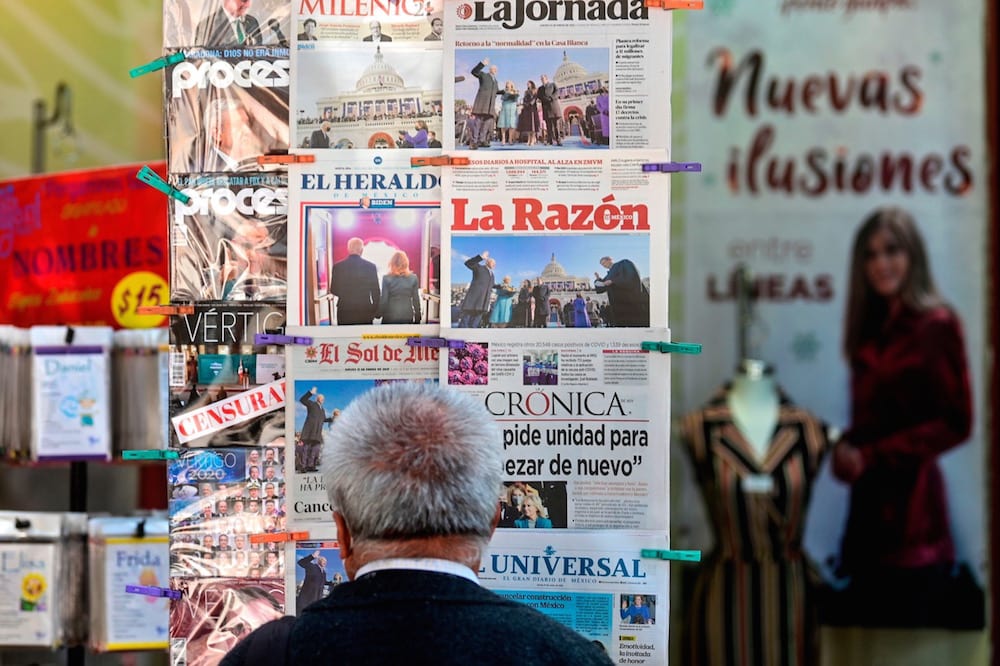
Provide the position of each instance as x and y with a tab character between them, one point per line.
754	402
754	454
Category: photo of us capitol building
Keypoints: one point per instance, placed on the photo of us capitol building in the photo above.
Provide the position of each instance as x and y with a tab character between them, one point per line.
563	288
372	114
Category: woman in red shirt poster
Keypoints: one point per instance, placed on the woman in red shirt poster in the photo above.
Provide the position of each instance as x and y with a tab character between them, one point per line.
910	401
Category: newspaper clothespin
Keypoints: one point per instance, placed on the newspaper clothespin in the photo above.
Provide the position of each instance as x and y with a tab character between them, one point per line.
435	342
439	160
150	454
149	177
157	64
276	339
673	347
279	537
165	309
285	159
676	4
672	167
153	591
674	555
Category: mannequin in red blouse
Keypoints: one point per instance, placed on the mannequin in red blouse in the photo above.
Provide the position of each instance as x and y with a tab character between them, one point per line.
910	402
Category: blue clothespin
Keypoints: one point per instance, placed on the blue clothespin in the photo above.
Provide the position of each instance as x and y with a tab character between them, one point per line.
149	177
150	454
672	167
674	555
673	347
153	591
435	342
275	339
157	64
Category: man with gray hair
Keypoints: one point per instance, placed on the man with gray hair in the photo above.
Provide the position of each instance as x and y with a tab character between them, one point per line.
413	474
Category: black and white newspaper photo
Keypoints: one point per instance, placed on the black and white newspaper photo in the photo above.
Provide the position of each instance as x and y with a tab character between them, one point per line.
575	240
324	377
602	588
584	424
365	239
557	76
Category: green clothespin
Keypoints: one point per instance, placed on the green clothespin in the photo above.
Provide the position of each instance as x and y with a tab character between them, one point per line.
149	177
692	348
157	64
150	454
675	555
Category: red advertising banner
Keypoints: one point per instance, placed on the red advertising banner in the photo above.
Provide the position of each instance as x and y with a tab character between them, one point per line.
85	247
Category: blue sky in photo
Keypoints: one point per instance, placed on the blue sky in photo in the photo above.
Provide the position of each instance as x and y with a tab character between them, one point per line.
524	257
522	65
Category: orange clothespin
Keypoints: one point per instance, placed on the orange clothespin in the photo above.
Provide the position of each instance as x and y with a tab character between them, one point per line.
285	159
165	309
676	4
440	160
279	537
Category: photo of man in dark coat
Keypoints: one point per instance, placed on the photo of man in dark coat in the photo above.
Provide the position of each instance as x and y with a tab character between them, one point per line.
354	281
484	106
477	298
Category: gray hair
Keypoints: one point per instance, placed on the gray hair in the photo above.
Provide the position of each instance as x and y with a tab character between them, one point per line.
411	460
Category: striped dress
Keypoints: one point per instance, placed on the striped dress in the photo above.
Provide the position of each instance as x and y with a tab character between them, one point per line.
753	602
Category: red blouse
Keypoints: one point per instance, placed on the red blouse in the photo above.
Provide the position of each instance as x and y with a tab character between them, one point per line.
910	401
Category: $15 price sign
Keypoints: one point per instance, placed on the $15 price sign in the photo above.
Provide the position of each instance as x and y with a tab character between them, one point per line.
134	291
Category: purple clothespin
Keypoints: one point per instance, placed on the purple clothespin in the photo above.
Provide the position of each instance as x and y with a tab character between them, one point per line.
153	591
275	339
435	342
672	167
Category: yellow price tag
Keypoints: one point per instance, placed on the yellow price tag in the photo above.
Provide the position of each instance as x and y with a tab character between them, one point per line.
136	290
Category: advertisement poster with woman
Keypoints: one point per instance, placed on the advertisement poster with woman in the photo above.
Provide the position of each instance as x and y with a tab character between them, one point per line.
849	187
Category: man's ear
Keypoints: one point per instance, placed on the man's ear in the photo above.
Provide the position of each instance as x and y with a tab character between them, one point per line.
343	535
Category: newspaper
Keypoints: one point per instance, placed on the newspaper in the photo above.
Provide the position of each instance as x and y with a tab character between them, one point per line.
367	74
585	424
339	203
539	75
533	240
599	587
226	390
324	378
229	242
205	23
317	570
225	108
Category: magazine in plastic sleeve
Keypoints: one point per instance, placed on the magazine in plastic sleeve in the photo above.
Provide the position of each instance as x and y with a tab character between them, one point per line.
225	108
229	242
